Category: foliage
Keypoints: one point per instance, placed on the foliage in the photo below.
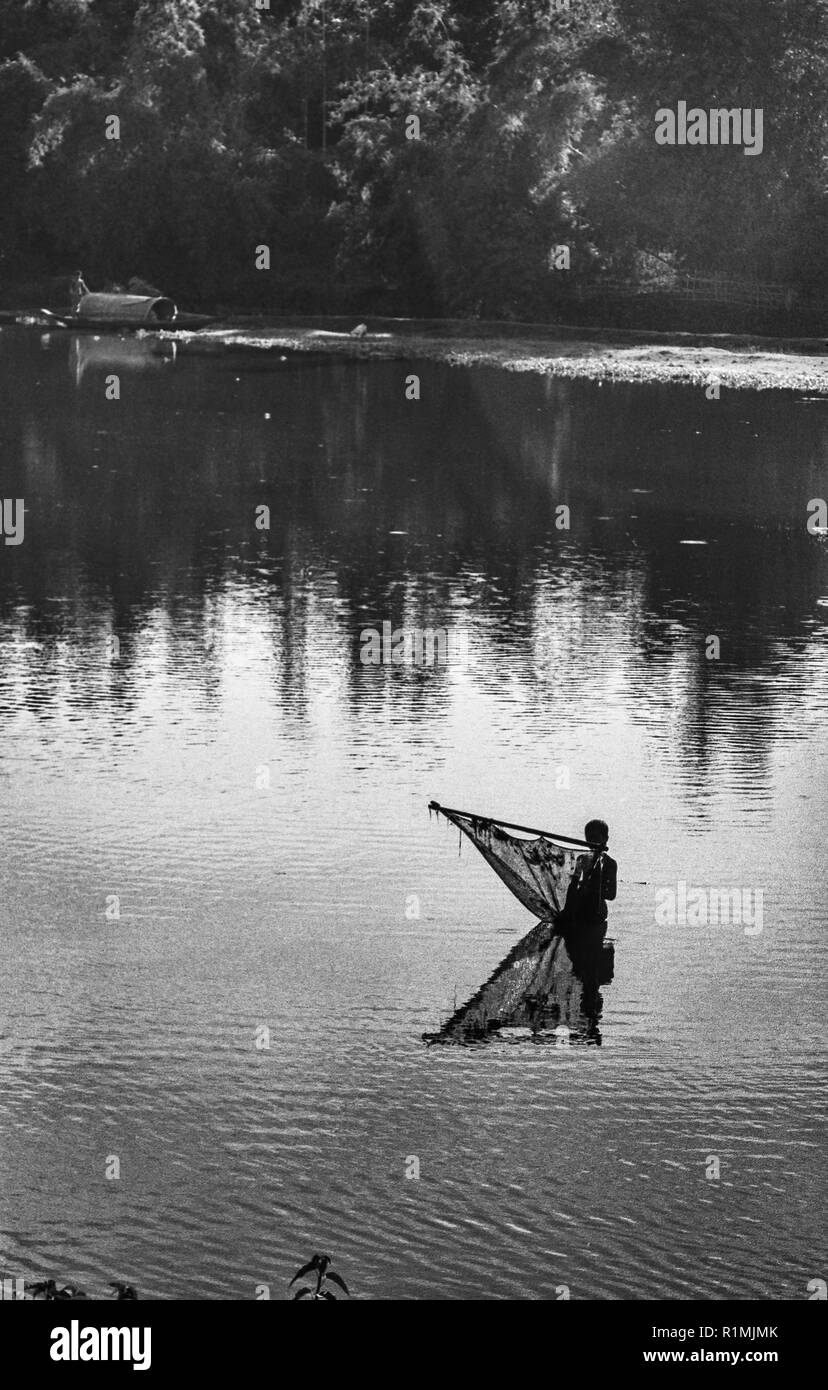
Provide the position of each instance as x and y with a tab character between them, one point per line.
319	1265
291	127
47	1291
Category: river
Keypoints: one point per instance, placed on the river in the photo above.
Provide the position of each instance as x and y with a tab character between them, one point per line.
227	917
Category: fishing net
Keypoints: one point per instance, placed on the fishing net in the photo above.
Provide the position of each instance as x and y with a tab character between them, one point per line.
546	877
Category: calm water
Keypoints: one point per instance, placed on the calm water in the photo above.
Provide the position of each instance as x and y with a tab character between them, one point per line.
257	800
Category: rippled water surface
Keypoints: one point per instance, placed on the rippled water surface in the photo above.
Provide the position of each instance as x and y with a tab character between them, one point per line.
256	799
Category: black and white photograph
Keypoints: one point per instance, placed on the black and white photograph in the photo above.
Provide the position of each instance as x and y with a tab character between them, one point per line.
414	661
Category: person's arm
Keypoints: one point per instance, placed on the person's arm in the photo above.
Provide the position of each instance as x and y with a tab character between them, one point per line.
574	890
610	878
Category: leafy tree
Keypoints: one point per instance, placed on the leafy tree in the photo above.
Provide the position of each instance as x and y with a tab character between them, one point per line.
291	127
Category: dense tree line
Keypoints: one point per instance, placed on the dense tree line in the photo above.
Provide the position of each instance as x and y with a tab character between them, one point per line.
290	126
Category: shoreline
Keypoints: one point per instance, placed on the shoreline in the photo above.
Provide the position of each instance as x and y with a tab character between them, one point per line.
614	355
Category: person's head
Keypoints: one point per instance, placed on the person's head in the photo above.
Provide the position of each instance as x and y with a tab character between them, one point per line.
596	832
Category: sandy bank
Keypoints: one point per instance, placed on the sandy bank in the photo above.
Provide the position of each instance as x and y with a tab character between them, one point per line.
734	364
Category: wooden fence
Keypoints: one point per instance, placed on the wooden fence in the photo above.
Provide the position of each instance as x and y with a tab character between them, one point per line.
717	289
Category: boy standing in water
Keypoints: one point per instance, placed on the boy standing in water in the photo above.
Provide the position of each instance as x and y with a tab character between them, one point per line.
596	882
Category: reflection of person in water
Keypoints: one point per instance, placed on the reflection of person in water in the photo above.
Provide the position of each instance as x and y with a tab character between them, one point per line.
592	964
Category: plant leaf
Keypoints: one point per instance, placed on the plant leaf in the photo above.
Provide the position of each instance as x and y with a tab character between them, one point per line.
306	1269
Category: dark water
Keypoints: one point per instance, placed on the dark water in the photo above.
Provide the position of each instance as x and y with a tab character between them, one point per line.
256	797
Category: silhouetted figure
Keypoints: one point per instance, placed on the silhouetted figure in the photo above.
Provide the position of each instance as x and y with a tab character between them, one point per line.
548	986
77	289
595	883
